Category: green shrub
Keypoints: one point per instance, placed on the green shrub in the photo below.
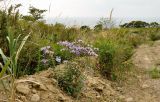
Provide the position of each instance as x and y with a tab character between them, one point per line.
106	55
112	56
70	78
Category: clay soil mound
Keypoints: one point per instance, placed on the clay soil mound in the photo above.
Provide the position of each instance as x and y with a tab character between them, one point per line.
43	87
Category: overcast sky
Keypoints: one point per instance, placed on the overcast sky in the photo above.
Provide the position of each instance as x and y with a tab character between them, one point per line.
95	8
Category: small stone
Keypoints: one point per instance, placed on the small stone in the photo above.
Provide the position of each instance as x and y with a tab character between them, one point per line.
34	91
144	86
122	97
139	77
98	96
42	87
23	88
23	98
54	81
102	82
119	89
35	98
99	89
48	73
50	87
61	98
130	99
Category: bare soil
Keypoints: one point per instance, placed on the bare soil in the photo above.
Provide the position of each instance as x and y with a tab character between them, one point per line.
44	88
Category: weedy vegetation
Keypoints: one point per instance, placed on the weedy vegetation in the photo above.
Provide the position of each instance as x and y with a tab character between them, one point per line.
154	73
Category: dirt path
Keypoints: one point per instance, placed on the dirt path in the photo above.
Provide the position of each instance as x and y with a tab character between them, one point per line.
141	87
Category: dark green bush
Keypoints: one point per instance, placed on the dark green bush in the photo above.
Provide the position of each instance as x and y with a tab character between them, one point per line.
28	59
98	27
85	28
155	36
154	25
135	24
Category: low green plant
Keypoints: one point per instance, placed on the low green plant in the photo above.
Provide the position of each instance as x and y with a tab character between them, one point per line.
155	73
70	79
64	54
45	59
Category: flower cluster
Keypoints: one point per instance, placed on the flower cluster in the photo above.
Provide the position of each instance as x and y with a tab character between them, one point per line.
79	48
45	52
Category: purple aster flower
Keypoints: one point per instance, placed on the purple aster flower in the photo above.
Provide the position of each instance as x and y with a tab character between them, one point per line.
78	48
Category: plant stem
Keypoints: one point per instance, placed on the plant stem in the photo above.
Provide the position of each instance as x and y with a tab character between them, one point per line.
12	89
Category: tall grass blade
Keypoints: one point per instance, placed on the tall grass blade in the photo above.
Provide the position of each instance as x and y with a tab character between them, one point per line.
21	46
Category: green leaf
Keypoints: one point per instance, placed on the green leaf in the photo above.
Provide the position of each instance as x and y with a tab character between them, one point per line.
8	40
3	56
4	68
